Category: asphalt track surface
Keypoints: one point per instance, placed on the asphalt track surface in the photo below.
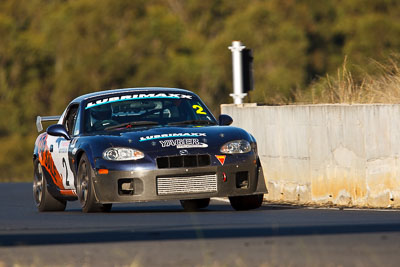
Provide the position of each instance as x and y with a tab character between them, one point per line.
162	234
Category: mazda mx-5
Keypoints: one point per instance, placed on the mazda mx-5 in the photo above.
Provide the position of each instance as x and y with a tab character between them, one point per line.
144	144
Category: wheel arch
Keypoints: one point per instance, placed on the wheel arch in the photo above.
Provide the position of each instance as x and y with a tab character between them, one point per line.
88	152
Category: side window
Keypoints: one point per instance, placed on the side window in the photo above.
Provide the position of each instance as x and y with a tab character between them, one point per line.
77	123
70	118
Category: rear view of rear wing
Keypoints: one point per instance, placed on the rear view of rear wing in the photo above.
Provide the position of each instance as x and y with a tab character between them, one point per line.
45	118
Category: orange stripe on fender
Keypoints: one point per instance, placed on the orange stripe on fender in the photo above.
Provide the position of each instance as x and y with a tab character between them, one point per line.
221	158
46	160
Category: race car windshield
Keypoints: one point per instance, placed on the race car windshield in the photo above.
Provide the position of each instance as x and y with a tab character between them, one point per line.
122	112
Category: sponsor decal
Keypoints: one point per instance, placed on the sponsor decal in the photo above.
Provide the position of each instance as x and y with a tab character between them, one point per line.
134	97
221	158
62	145
183	143
171	135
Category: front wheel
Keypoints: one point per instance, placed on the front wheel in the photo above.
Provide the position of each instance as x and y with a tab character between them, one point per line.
195	204
85	189
246	202
43	199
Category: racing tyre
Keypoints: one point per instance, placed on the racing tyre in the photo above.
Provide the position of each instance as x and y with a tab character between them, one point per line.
195	204
43	199
85	189
246	202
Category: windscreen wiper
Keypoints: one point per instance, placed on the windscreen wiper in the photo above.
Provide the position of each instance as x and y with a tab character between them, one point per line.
194	122
131	124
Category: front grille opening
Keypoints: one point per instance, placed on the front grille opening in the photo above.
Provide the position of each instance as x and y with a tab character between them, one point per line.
175	185
204	160
183	161
190	161
130	186
176	162
162	163
125	187
242	180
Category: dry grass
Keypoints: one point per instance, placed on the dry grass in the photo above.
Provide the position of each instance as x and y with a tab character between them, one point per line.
381	87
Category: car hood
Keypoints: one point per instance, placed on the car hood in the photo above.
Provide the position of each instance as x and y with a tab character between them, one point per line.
169	138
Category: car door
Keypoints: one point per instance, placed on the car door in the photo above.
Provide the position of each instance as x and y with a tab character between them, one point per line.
59	147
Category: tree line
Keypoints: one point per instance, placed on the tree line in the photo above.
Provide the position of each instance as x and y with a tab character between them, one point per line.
54	50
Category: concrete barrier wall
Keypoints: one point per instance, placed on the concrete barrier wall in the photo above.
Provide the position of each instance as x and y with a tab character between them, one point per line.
326	154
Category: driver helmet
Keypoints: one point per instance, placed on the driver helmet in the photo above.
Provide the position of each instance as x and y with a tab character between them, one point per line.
100	113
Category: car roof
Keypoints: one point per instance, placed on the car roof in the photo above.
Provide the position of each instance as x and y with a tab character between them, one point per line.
130	90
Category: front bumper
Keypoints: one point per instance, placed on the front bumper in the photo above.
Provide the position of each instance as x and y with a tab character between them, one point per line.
143	179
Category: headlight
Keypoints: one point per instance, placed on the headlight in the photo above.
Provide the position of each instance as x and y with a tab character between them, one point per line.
122	153
237	146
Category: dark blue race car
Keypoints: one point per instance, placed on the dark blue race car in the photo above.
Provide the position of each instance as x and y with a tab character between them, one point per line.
144	144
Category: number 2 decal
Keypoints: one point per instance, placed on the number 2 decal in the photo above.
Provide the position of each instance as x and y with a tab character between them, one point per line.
64	163
199	109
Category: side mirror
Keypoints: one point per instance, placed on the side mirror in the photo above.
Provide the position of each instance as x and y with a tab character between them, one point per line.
58	130
225	120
